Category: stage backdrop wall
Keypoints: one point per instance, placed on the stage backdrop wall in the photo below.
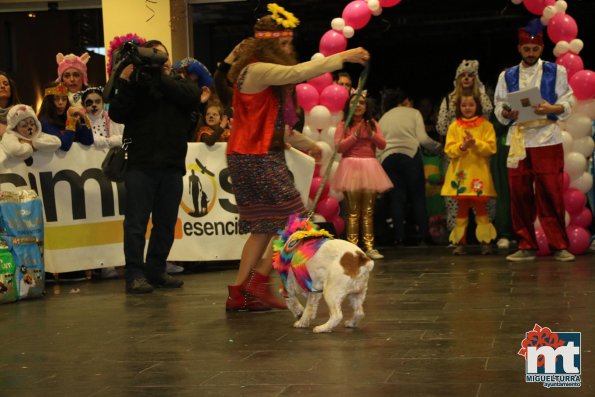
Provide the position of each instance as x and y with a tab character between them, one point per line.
84	212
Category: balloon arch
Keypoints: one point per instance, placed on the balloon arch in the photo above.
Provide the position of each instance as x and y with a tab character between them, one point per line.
323	101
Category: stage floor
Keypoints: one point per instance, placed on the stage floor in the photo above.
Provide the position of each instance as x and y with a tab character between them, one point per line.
435	325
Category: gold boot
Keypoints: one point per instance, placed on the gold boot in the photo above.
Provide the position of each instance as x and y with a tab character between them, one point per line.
353	210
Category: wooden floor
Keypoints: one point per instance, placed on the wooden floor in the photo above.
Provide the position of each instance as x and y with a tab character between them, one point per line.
436	325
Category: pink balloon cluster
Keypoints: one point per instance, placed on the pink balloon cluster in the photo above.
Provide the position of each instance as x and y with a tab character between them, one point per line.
319	97
581	217
327	206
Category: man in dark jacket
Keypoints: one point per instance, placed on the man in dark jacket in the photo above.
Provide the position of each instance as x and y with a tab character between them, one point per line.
156	110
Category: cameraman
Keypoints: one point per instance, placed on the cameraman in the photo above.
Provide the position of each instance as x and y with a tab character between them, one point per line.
156	112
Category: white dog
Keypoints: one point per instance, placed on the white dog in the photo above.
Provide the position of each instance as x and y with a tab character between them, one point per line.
312	262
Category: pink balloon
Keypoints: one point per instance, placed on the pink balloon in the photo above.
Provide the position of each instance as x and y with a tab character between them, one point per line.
542	244
582	219
328	207
562	27
389	3
314	186
574	201
307	96
317	170
332	42
356	14
321	82
579	239
339	224
536	6
565	181
334	97
572	62
583	84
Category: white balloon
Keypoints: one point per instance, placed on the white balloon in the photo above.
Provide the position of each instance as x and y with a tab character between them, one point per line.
325	157
567	142
576	45
561	47
575	164
373	5
377	12
337	195
328	135
583	146
586	107
316	56
566	218
584	183
579	125
317	218
561	6
312	134
319	117
544	21
348	32
549	12
516	1
338	24
537	222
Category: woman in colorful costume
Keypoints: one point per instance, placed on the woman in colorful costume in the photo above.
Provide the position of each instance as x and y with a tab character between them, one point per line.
264	115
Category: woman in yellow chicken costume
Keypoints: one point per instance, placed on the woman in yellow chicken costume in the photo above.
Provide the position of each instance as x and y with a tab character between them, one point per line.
470	142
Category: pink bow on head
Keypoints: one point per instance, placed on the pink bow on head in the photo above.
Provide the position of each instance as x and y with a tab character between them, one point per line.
354	91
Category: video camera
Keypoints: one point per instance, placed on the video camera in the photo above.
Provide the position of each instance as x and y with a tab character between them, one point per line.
147	65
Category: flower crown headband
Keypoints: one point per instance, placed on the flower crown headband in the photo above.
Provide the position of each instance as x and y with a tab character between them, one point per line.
59	89
283	18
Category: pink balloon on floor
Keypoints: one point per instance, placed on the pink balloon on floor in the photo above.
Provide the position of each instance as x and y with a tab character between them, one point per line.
339	224
542	244
356	14
307	96
314	186
574	200
321	82
332	42
565	181
579	239
583	84
328	207
334	97
389	3
572	62
536	6
582	218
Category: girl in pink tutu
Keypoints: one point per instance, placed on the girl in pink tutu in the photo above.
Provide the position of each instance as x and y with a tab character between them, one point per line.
359	175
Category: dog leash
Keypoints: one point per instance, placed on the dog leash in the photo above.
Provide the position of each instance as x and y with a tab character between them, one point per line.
360	87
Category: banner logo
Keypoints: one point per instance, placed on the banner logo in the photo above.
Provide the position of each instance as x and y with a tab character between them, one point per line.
552	358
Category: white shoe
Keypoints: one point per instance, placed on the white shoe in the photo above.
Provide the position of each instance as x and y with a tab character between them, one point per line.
172	268
109	272
374	254
503	243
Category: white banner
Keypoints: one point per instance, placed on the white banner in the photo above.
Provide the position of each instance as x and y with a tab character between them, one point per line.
83	211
